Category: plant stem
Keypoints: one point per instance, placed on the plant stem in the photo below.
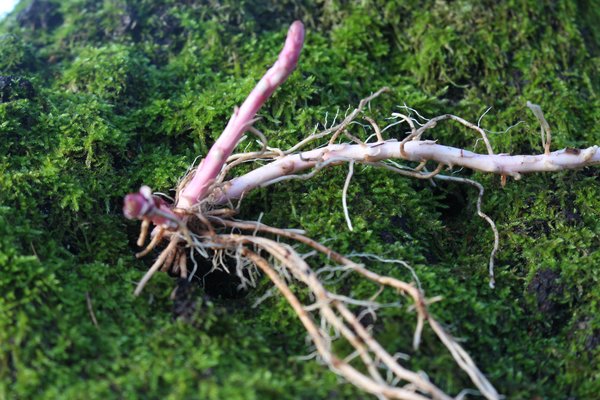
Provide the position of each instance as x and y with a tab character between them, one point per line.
242	118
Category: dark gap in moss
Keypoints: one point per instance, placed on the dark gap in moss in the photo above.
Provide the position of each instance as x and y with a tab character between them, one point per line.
587	20
40	14
548	289
186	302
15	88
454	199
592	341
217	283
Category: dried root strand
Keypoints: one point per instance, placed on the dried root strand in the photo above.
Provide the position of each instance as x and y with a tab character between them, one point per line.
361	105
334	311
331	309
544	126
143	232
373	383
165	255
155	240
481	214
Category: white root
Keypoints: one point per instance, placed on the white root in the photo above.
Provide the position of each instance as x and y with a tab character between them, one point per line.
209	226
345	194
416	150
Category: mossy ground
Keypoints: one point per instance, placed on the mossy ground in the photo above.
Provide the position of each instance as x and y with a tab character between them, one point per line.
97	98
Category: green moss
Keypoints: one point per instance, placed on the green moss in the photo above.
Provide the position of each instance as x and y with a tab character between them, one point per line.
97	98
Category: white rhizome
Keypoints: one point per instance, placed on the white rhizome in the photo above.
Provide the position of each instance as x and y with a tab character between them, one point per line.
202	222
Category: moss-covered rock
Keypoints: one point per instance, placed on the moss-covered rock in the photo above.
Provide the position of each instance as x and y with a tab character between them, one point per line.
97	98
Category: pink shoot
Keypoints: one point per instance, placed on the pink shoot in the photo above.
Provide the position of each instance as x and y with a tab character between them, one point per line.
242	118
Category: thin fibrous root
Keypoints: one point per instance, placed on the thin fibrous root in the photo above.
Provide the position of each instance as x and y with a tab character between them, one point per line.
143	232
329	305
431	123
155	240
166	253
183	273
481	214
345	194
373	383
544	126
375	128
342	126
